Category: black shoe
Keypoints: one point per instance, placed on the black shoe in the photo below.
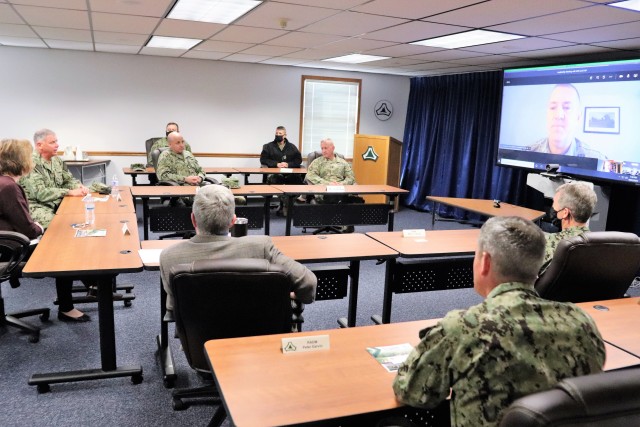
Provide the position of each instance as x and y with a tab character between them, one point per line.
63	317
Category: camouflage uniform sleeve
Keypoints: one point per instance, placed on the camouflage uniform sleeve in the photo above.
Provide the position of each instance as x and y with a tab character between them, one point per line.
349	178
193	165
423	379
167	168
39	190
187	147
314	173
149	157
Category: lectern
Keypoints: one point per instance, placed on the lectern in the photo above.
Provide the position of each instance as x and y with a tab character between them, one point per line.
376	160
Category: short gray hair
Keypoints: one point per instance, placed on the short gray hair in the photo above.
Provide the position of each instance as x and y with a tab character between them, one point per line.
327	141
579	198
213	209
516	246
42	134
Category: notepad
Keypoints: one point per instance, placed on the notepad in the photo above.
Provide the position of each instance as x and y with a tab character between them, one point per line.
91	233
391	356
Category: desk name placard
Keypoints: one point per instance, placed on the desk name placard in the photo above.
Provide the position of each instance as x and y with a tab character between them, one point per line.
414	233
286	170
335	189
305	344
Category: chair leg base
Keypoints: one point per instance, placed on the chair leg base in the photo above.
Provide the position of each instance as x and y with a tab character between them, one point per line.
208	392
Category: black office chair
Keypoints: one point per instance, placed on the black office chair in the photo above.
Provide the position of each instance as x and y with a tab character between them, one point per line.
14	247
593	266
609	399
227	298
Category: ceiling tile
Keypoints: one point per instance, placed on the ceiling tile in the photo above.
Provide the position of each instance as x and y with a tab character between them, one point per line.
8	16
217	46
483	14
352	24
117	48
64	34
412	9
238	33
331	4
303	40
104	37
241	57
631	44
311	54
188	29
270	51
601	34
446	55
518	45
563	51
491	60
414	31
123	23
283	61
50	17
355	45
21	41
13	30
593	16
270	14
403	50
59	4
69	44
153	8
204	54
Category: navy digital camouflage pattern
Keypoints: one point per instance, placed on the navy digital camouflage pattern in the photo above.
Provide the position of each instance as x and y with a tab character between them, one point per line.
176	167
554	238
512	344
161	143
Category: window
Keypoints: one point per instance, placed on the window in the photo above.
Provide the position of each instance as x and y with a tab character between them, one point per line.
330	109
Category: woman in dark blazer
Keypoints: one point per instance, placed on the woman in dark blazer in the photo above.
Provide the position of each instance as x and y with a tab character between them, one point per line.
15	162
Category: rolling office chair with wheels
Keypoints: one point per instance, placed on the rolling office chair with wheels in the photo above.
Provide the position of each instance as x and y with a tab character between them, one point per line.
14	247
609	399
596	265
227	298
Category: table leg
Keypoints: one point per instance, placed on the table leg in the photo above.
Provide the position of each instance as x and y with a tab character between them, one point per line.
145	217
290	214
354	272
388	291
133	179
107	349
267	215
392	201
433	215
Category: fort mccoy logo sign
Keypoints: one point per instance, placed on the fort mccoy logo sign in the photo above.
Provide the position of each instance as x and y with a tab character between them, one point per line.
370	154
383	110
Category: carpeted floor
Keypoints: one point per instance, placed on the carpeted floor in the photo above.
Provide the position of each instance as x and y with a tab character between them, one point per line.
117	402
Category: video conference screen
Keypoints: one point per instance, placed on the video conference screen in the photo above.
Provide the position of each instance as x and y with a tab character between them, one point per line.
583	117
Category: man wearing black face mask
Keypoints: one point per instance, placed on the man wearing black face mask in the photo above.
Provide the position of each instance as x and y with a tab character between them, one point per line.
280	153
162	142
572	207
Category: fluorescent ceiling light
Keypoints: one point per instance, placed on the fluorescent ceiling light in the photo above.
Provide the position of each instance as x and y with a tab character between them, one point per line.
172	42
356	58
469	38
629	4
216	11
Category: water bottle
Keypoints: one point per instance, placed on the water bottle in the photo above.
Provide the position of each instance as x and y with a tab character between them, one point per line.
114	186
89	210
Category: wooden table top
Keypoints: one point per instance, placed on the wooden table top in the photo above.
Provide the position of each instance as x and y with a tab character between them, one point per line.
190	190
254	376
207	170
620	324
60	253
72	204
435	242
485	207
348	189
332	247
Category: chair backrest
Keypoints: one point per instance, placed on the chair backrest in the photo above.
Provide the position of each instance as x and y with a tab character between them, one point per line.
315	154
149	143
13	248
593	266
155	155
227	298
609	399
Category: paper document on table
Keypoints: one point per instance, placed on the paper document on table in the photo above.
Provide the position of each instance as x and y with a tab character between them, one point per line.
101	199
91	233
391	356
150	256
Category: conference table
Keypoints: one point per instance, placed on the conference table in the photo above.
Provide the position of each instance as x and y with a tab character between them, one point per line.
435	243
618	321
293	191
60	254
484	207
104	203
149	170
259	385
146	192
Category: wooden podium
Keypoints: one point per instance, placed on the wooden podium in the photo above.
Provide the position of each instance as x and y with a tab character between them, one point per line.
376	160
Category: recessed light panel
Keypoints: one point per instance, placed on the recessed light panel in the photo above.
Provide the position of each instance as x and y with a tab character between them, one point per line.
172	42
356	58
469	38
216	11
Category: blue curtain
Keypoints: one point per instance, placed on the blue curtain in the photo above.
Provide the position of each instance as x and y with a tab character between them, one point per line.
450	137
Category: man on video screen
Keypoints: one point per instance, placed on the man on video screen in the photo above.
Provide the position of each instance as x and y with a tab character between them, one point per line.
564	114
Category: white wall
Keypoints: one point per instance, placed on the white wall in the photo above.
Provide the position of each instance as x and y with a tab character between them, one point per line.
114	102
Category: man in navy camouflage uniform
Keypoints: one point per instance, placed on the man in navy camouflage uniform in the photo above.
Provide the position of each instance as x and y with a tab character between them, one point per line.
573	205
512	344
50	180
